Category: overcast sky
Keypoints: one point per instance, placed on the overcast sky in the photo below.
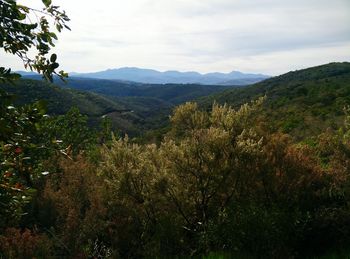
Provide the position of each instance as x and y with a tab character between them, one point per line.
262	36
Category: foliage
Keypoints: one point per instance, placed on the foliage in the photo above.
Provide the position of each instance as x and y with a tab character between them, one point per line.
58	100
128	115
75	198
21	153
134	108
24	244
6	75
216	182
301	103
22	148
71	130
170	93
28	138
19	34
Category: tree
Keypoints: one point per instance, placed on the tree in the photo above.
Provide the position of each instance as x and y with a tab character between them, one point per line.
23	28
22	148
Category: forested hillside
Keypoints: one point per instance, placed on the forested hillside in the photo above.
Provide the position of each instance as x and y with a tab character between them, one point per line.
59	100
133	108
302	103
172	93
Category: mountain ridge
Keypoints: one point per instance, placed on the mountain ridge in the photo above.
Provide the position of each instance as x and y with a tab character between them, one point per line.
303	102
152	76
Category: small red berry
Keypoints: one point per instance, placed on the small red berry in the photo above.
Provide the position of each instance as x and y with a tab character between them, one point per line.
18	150
7	174
19	186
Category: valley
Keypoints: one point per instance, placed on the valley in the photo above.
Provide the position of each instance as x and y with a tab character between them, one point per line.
302	103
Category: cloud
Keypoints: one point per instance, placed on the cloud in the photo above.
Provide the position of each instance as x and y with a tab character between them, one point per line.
203	35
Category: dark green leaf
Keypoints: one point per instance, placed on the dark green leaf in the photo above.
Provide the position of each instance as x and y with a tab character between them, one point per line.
47	3
53	58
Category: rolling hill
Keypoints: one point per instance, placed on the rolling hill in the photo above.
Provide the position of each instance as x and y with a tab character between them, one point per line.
133	108
172	93
304	102
60	100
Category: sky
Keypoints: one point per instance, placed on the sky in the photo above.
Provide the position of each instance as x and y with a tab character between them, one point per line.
255	36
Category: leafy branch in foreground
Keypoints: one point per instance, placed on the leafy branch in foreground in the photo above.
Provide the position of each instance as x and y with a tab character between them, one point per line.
24	32
23	28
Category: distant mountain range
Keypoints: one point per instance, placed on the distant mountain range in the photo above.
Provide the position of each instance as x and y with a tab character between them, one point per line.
150	76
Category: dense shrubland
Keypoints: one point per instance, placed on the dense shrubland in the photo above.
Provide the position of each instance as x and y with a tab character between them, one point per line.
217	183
